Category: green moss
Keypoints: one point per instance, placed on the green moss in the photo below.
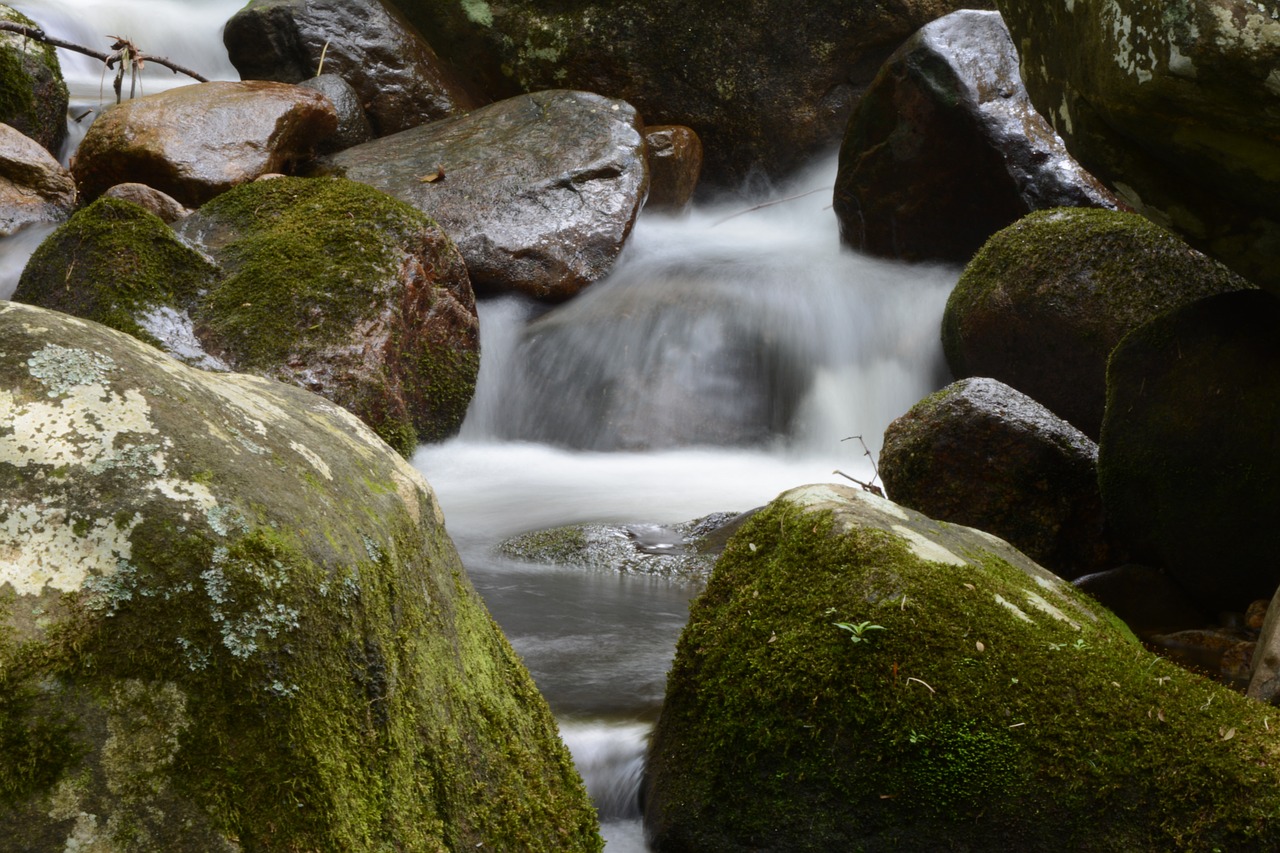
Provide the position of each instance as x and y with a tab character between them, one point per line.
958	724
33	95
111	263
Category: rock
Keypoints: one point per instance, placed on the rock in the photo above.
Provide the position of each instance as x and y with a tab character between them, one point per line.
1176	107
1146	599
366	42
152	200
945	149
353	124
196	141
374	313
1044	302
762	103
233	620
1188	460
1220	655
539	192
33	186
858	677
1264	675
981	454
675	162
33	95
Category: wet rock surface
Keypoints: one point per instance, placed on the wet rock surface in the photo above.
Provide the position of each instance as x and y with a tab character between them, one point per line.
539	192
675	162
945	148
34	187
395	73
196	141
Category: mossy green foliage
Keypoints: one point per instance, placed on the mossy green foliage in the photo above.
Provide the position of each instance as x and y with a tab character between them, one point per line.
110	263
33	95
286	653
959	726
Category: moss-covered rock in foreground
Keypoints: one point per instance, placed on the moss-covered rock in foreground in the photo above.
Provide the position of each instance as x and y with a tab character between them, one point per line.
232	619
970	702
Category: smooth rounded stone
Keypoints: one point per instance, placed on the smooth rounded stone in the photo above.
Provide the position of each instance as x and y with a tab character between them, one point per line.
1190	456
859	677
982	454
675	162
1146	599
152	200
353	124
763	103
1175	106
944	148
196	141
33	95
34	187
395	73
539	192
1045	301
218	589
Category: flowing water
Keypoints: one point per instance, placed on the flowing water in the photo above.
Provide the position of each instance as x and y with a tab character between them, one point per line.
725	360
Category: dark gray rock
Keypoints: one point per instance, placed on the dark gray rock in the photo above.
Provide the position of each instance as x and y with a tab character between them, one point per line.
398	77
982	454
353	124
1146	599
539	192
945	149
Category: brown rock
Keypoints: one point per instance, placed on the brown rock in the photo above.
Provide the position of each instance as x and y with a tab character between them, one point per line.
33	186
194	142
160	204
675	162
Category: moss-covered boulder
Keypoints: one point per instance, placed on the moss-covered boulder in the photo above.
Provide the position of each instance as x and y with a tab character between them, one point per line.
232	620
1175	105
1043	303
33	95
1189	461
323	283
982	454
858	677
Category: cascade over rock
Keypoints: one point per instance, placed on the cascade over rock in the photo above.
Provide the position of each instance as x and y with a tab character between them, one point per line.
196	141
232	620
539	192
766	85
1175	105
393	70
1045	301
857	676
945	149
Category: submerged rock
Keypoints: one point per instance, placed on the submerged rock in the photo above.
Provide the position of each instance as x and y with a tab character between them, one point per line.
33	185
539	192
367	43
1190	457
945	149
1175	105
33	95
232	619
1045	301
859	677
982	454
196	141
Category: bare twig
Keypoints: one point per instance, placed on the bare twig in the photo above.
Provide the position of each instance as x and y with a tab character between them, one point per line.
869	487
765	204
110	59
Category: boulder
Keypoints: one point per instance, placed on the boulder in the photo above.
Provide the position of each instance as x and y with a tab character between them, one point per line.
353	123
539	192
151	200
232	620
196	141
1177	107
33	95
945	149
981	454
1044	302
761	102
1189	456
1146	599
374	313
675	162
859	677
33	185
396	74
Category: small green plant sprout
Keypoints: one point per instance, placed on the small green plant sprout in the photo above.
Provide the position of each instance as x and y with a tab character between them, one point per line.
857	630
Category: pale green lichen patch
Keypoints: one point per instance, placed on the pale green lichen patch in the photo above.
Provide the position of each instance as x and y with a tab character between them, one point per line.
478	12
40	549
63	368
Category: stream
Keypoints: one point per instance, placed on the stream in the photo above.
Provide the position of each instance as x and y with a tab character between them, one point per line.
732	354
